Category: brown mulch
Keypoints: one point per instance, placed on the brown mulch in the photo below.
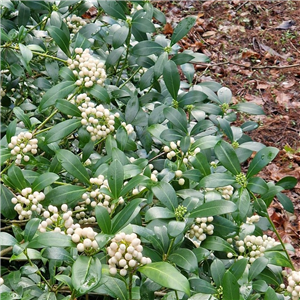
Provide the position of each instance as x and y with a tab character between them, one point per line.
254	48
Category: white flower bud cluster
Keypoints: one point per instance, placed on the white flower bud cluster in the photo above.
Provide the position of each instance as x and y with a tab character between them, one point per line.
75	23
27	203
252	219
254	247
125	251
96	197
22	144
226	191
129	128
178	174
2	92
1	281
85	239
293	285
200	228
98	120
58	221
174	150
88	69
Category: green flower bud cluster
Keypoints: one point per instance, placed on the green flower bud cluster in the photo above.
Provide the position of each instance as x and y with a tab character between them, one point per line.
200	229
27	203
180	212
125	251
241	179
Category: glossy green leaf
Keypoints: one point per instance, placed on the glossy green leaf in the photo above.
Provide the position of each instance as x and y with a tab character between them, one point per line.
182	58
205	142
257	185
191	97
230	287
286	202
177	118
227	156
270	294
120	37
67	108
115	178
11	130
175	228
249	108
243	203
103	219
24	14
158	213
217	270
213	208
200	163
19	113
171	78
224	227
238	268
57	253
51	239
257	267
185	259
217	244
132	109
6	239
135	181
269	277
217	180
69	194
171	135
183	27
166	275
116	288
4	156
26	53
146	48
86	274
82	41
16	176
43	181
278	258
58	91
67	74
61	130
201	253
60	38
113	8
143	25
124	217
114	56
73	165
165	193
225	95
202	286
260	207
31	228
225	126
100	93
261	159
287	182
259	286
7	207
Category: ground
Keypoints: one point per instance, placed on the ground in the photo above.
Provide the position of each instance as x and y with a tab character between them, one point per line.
254	48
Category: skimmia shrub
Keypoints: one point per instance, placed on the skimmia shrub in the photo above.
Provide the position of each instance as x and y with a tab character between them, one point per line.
121	177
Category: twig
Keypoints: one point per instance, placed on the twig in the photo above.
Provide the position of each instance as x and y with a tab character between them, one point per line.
5	251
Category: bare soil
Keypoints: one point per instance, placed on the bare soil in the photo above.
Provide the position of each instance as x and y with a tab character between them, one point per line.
254	48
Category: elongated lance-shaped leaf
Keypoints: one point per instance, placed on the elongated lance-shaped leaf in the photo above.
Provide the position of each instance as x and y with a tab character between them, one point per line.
51	239
67	108
213	208
200	163
115	178
73	165
113	8
31	228
184	258
43	181
103	219
217	180
183	27
171	78
16	176
228	157
166	275
60	38
7	207
217	244
225	126
230	287
165	193
261	159
86	274
145	48
61	130
177	118
257	267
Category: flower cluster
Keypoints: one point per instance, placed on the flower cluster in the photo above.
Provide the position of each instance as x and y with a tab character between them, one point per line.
27	203
2	92
252	219
75	23
254	247
293	285
174	150
225	191
58	221
88	69
22	144
85	239
98	120
125	251
200	228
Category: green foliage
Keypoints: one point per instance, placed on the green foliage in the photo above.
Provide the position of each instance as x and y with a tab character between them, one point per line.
120	177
